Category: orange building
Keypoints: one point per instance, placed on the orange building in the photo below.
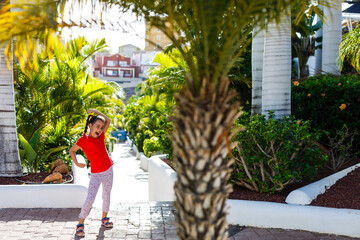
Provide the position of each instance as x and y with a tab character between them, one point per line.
155	38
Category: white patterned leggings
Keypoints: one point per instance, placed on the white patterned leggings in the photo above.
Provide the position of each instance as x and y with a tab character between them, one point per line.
106	178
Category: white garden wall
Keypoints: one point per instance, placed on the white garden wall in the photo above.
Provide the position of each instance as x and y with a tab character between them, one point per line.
133	147
144	162
47	195
267	214
307	194
309	218
161	180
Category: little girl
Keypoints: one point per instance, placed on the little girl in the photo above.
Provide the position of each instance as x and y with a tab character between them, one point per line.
93	146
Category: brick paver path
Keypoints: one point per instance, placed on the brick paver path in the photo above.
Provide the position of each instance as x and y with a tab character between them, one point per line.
145	220
131	221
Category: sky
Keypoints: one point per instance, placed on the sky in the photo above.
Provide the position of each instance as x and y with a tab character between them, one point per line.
114	38
134	32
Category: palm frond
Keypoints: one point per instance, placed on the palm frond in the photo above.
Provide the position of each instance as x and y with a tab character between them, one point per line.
350	49
31	25
208	33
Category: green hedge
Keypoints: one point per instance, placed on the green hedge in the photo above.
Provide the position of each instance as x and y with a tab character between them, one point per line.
328	102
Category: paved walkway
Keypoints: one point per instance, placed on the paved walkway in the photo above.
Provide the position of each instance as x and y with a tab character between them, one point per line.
133	216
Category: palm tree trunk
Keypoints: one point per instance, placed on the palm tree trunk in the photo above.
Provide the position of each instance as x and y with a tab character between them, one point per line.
276	86
9	152
202	126
318	51
257	54
332	38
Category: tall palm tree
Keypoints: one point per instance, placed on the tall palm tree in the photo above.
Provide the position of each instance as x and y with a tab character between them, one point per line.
257	53
204	112
207	34
9	153
276	78
318	49
271	66
332	38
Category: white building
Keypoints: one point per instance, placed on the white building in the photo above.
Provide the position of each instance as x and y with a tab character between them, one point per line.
144	60
127	50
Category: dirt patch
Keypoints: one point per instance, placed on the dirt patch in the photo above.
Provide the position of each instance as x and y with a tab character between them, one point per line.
32	178
345	193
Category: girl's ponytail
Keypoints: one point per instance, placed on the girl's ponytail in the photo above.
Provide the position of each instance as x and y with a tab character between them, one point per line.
87	123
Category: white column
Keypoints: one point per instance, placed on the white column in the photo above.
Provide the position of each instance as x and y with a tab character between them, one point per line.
332	38
257	54
318	53
276	80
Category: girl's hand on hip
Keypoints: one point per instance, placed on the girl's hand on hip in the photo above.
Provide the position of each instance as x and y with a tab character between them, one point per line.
81	165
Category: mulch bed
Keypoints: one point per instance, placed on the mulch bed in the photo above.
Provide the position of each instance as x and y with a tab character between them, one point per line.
32	178
345	193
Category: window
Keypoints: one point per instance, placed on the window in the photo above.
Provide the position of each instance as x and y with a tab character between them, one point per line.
147	44
158	37
112	72
147	36
127	74
158	30
122	63
111	63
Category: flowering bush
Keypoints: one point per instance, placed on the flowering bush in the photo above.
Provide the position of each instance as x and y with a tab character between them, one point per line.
328	102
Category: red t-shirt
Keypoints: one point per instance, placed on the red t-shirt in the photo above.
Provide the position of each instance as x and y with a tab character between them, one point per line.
95	151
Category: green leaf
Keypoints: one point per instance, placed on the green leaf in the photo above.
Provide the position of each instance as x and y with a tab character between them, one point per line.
51	151
34	139
22	153
29	151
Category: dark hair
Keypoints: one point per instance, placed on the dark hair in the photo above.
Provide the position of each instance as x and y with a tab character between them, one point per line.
92	119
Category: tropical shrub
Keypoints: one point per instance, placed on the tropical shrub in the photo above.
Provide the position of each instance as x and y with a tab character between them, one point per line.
146	117
151	145
53	95
31	159
328	102
270	154
160	141
339	147
146	121
240	79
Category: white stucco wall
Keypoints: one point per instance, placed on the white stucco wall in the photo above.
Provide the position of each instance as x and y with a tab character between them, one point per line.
265	214
161	180
47	195
144	162
286	216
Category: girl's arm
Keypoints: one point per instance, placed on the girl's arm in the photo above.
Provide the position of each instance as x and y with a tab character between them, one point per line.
107	119
72	153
